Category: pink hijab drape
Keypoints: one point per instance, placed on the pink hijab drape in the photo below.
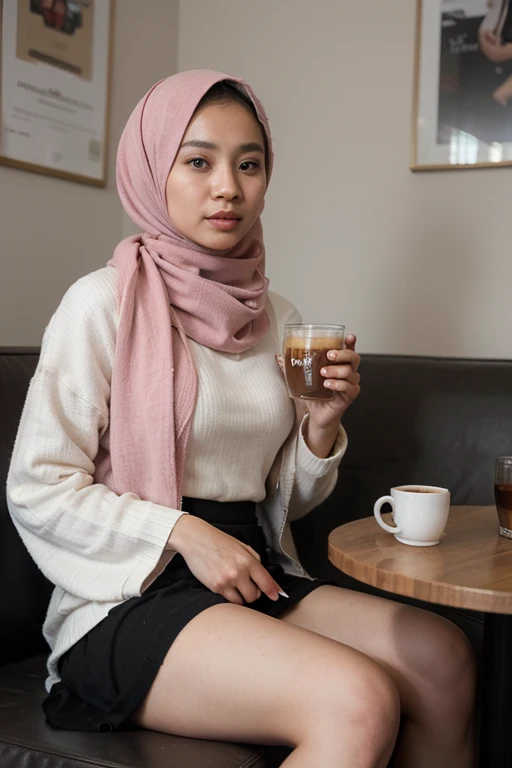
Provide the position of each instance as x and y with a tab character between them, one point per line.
170	288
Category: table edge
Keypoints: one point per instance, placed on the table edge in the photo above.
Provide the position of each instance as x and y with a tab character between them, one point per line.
456	596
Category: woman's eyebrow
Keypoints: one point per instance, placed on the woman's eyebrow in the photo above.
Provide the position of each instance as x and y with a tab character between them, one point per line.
251	147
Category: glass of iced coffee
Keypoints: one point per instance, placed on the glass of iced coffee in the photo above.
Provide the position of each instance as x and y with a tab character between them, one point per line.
305	349
503	493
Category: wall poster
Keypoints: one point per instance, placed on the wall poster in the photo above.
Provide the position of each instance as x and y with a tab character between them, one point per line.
463	85
54	76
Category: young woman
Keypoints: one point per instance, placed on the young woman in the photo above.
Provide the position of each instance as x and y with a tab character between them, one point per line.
159	462
495	38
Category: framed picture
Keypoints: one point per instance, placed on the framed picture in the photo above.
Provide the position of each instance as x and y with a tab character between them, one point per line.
462	113
54	87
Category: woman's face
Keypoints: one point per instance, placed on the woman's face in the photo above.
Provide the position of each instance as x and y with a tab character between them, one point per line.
220	167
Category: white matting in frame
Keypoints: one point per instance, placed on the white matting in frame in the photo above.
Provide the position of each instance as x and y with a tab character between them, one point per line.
462	113
54	87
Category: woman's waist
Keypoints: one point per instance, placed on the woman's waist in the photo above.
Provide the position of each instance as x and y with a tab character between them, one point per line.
221	512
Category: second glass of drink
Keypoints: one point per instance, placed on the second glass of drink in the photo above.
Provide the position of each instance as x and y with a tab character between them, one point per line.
503	493
305	351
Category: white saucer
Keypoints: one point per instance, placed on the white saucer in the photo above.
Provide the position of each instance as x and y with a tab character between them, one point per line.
413	543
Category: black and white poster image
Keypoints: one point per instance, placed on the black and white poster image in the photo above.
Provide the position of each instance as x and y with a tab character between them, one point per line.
463	85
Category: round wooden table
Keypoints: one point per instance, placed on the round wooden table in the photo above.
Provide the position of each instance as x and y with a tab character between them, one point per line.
470	568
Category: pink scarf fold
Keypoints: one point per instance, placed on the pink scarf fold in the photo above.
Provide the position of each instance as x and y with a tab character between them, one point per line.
171	289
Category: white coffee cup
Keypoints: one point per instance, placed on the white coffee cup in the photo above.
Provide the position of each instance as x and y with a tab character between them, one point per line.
420	513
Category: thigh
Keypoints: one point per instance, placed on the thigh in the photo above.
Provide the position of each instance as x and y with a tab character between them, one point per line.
412	644
235	674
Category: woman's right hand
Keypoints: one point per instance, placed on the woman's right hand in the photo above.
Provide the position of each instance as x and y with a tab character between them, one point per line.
220	562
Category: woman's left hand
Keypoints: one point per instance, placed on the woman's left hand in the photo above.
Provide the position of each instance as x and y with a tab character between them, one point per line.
342	378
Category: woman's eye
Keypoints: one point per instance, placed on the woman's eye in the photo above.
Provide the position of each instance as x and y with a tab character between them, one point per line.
196	162
249	165
200	163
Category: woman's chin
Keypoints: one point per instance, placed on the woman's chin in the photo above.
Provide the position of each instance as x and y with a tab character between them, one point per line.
220	241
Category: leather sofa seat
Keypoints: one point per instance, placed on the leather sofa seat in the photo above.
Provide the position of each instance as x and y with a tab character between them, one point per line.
27	742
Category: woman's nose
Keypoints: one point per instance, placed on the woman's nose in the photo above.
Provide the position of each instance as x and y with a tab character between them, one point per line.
225	185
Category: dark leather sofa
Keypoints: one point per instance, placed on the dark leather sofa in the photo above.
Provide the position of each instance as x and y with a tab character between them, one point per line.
418	420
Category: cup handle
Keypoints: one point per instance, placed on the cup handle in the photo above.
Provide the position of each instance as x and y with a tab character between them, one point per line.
376	512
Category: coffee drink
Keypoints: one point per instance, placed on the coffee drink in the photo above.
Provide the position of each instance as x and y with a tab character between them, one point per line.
303	361
415	489
503	496
419	514
503	493
305	354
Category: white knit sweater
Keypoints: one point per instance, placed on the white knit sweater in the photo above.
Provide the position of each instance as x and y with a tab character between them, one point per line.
100	548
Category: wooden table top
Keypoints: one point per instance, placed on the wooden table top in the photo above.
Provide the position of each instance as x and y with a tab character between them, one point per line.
470	568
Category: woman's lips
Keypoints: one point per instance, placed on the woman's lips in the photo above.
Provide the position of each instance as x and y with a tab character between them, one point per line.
224	224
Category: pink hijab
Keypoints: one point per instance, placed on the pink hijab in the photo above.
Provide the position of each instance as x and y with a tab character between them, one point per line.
170	288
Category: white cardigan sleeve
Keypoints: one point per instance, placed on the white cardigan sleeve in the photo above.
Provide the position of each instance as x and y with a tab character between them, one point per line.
315	478
86	539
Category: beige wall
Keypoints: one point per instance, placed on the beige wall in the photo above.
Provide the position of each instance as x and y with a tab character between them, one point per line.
55	231
410	262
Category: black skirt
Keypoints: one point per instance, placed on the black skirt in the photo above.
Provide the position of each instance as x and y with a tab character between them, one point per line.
107	674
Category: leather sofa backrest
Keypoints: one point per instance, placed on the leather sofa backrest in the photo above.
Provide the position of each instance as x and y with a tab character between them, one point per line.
24	591
437	421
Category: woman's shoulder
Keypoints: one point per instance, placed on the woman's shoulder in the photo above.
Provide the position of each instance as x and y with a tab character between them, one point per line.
280	312
90	302
97	290
87	316
285	311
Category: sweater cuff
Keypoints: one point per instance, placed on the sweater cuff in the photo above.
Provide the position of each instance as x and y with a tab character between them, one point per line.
159	522
313	465
150	523
158	525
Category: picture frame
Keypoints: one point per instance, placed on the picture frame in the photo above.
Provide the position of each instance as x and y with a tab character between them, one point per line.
55	71
462	102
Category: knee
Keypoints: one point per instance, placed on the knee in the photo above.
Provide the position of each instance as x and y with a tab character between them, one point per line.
459	665
368	704
376	705
447	664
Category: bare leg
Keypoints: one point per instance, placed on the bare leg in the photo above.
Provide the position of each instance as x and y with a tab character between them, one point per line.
237	675
429	658
504	92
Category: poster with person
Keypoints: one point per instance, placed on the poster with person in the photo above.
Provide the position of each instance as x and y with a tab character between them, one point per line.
463	89
54	75
58	33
